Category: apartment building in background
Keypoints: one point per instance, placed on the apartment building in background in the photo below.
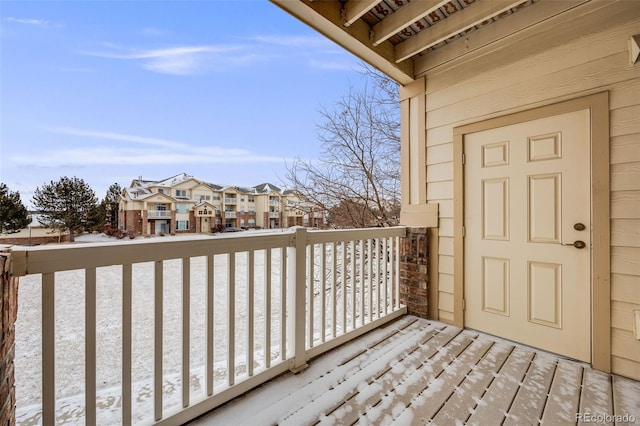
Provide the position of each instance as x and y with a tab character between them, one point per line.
186	204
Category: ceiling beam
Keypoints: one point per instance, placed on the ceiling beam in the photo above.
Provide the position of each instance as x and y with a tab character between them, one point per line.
403	17
355	9
325	17
530	16
476	13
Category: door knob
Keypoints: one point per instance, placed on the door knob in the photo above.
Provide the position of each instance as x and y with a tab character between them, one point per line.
579	227
577	244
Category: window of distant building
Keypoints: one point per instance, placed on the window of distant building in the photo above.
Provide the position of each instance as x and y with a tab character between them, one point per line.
205	197
216	196
181	192
161	191
250	199
182	225
182	208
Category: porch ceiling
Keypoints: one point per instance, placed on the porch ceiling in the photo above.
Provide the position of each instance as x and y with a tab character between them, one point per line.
400	37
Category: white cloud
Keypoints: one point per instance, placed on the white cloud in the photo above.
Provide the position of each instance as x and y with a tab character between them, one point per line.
140	150
181	60
30	21
194	59
118	137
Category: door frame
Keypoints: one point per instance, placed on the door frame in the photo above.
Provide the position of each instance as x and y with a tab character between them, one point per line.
598	105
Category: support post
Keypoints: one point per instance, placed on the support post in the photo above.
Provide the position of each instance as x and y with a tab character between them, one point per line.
8	315
296	302
414	281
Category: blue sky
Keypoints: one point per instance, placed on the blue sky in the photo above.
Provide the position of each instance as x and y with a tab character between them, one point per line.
111	90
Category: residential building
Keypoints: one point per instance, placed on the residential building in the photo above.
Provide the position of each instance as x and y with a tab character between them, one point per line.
299	211
186	204
269	205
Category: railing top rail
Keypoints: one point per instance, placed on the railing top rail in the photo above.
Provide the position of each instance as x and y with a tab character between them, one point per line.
43	259
321	236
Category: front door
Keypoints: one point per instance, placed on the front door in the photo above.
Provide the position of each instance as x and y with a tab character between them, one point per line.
527	233
162	227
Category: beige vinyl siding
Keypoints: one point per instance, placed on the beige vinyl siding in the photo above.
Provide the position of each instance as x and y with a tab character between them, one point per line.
595	62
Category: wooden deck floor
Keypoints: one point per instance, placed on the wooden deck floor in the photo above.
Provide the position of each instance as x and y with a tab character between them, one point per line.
415	371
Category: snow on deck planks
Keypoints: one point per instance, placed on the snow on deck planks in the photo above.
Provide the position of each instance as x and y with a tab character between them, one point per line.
415	371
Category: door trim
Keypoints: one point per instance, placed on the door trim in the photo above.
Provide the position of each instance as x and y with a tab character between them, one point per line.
598	104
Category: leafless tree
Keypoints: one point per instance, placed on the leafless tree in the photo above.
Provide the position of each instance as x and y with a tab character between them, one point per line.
356	179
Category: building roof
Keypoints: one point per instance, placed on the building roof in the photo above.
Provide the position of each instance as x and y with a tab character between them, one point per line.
266	188
140	188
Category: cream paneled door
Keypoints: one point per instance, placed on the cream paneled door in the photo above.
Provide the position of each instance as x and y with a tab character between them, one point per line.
527	201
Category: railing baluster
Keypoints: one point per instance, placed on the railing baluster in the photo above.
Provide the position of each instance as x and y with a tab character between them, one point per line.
385	278
362	286
231	310
267	309
283	303
48	349
398	244
344	287
390	277
334	302
157	355
186	315
394	272
90	345
210	323
377	273
250	310
323	292
126	342
353	284
370	277
310	287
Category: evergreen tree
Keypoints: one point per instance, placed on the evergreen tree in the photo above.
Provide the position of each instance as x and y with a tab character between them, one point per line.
67	205
111	205
13	214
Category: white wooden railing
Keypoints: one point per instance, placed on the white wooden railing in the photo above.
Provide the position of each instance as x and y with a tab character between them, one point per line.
288	297
158	214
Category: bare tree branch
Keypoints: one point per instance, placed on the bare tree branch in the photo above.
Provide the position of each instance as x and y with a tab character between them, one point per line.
356	180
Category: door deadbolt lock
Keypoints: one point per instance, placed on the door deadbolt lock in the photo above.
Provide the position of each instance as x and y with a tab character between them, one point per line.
579	227
577	244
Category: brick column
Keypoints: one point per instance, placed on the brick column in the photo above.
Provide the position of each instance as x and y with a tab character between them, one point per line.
8	314
414	261
145	222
